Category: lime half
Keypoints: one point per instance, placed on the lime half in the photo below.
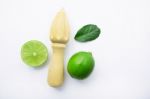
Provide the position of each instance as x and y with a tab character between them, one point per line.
34	53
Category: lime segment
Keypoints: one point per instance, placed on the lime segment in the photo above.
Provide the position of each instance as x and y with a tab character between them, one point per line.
34	53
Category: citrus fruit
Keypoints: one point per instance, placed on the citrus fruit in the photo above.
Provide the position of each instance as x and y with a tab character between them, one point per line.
81	65
34	53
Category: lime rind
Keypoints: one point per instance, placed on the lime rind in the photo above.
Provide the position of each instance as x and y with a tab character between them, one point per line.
34	53
81	65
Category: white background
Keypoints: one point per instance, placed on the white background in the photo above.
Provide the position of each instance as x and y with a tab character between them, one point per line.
122	52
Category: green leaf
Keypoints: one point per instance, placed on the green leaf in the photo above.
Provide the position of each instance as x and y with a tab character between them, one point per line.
87	33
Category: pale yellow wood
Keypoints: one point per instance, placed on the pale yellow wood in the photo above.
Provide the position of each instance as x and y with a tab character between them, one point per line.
56	68
59	36
60	28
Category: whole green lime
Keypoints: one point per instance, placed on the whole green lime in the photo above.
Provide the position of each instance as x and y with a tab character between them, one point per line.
81	65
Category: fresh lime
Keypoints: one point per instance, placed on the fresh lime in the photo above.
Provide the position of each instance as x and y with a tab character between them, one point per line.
81	65
34	53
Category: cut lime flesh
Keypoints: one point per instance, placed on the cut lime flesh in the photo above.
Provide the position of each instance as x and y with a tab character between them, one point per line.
34	53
